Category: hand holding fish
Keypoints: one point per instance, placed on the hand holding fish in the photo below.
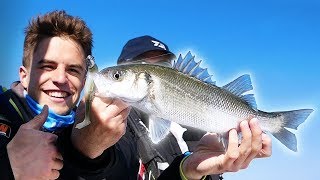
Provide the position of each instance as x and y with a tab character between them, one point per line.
210	158
108	124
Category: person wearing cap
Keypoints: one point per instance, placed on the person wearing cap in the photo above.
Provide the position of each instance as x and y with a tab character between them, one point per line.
176	147
146	49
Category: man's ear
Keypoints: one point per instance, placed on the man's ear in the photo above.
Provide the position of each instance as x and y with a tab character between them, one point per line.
23	73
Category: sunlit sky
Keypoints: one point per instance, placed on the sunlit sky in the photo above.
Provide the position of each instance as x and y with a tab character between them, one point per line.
276	41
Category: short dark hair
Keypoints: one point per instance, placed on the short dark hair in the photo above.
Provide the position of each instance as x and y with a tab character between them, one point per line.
55	24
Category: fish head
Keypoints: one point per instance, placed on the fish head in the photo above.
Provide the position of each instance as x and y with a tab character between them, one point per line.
122	82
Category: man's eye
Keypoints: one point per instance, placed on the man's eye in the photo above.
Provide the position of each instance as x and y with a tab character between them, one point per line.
75	71
47	67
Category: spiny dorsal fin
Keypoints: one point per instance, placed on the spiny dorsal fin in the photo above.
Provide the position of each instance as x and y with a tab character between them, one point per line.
187	65
240	86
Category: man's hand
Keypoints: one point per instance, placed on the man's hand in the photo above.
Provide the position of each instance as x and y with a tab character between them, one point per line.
108	124
32	153
210	157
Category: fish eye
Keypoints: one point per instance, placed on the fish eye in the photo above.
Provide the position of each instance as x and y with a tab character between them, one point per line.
117	75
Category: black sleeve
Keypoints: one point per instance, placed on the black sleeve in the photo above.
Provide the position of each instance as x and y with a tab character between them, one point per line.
5	167
7	131
76	164
172	172
111	164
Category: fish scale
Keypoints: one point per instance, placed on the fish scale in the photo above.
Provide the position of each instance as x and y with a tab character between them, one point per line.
204	99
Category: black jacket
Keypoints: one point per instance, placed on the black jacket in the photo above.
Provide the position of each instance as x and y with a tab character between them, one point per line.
117	162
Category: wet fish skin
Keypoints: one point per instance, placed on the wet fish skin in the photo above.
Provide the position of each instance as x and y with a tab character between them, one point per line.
165	93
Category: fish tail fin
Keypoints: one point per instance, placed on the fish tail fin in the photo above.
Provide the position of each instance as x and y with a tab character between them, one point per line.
287	138
291	119
88	96
84	123
86	120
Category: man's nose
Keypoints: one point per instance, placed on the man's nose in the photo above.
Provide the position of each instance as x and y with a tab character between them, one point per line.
60	76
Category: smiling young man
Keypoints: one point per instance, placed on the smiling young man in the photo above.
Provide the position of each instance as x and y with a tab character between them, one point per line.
40	142
56	75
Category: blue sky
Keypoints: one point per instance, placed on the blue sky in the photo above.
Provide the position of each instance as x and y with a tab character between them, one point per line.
277	42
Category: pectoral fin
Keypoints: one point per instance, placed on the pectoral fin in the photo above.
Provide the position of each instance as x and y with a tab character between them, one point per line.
159	129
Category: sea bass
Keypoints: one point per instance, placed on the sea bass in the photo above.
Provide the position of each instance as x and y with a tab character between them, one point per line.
183	95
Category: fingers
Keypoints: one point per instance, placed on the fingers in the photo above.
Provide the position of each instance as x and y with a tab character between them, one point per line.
115	104
38	121
124	113
117	118
256	135
108	107
108	119
256	142
106	100
246	144
266	150
54	174
232	152
58	164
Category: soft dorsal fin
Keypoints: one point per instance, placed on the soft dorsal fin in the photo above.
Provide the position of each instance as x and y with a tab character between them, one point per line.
240	86
189	66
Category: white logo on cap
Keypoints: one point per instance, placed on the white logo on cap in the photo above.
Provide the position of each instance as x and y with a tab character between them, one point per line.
158	44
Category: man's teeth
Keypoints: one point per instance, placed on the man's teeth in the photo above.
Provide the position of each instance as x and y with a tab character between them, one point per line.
57	94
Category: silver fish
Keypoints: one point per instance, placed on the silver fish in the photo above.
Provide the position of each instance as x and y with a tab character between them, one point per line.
191	99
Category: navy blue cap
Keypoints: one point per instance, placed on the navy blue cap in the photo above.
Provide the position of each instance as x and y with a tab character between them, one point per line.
140	45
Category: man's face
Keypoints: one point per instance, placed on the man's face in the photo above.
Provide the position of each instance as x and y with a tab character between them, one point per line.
56	74
155	57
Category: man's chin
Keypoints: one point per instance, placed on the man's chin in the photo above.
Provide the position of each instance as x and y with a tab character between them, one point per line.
60	111
59	108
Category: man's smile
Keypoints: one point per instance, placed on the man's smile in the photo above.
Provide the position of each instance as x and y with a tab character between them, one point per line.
57	94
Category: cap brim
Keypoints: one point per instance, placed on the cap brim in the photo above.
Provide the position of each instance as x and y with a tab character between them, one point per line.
132	56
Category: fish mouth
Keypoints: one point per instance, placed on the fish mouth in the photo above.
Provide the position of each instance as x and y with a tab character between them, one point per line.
112	95
129	101
57	93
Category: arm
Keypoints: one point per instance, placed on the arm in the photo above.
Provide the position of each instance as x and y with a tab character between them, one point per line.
95	148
